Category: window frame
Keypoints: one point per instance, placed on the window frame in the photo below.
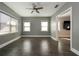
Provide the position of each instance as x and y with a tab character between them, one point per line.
44	26
4	23
9	24
16	25
27	26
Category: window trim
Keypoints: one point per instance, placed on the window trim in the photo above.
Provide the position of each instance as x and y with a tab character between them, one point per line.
27	26
3	12
45	26
8	33
14	25
4	23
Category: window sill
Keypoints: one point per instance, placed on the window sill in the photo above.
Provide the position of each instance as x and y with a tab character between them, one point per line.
44	31
13	32
26	31
4	33
1	34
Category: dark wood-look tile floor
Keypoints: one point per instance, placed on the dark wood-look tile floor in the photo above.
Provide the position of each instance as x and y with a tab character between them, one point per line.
41	46
64	47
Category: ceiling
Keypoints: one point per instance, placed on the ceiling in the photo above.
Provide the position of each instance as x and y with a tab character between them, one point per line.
47	11
66	13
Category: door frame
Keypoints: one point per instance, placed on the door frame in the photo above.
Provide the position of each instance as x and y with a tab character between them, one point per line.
69	9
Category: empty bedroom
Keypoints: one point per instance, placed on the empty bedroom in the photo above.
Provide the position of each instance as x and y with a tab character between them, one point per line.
39	28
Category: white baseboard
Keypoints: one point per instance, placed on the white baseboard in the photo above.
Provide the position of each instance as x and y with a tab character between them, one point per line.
53	38
7	43
75	51
35	35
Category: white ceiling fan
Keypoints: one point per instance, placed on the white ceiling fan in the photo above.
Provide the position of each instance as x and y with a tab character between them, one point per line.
35	7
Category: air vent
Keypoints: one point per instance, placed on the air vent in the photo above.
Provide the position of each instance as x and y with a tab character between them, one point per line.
56	6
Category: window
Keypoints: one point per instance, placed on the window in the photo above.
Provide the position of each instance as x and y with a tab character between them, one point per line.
26	26
4	23
14	24
44	26
7	24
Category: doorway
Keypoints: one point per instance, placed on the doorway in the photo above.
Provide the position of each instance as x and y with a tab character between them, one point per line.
64	31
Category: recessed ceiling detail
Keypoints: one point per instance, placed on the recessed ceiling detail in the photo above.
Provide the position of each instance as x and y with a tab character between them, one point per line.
40	9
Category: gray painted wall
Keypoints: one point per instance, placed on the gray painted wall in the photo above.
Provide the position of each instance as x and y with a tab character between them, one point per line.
75	22
53	27
36	25
75	19
8	37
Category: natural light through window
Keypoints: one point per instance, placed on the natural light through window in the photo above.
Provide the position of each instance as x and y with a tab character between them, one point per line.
44	26
7	24
14	23
4	23
26	26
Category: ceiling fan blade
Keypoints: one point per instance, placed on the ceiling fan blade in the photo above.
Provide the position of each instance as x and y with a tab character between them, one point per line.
37	11
40	8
